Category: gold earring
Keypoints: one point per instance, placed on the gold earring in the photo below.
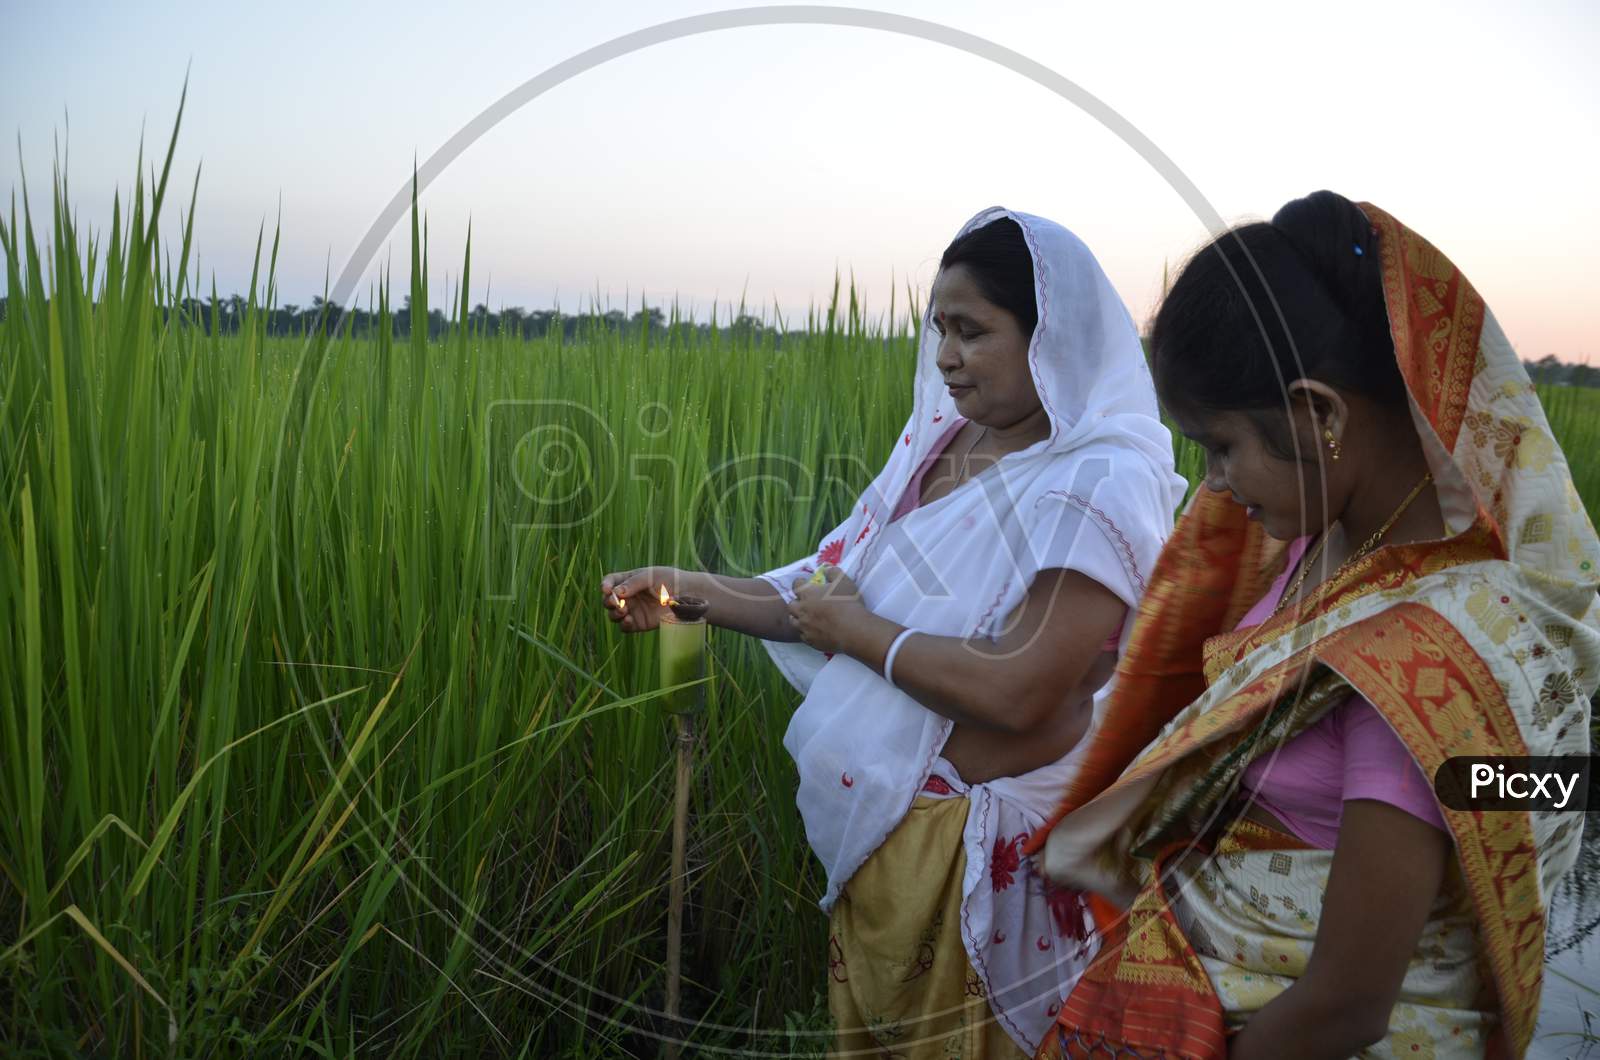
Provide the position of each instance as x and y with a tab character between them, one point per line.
1333	443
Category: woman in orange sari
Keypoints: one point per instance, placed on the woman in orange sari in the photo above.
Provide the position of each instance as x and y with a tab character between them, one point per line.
1388	566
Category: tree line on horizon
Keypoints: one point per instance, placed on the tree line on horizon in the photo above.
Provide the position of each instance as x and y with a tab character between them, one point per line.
225	316
218	315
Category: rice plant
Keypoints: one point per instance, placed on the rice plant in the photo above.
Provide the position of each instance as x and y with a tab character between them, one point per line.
312	737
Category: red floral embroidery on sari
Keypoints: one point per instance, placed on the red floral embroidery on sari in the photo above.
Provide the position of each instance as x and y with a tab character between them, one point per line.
1066	905
847	780
865	530
1005	862
833	551
836	969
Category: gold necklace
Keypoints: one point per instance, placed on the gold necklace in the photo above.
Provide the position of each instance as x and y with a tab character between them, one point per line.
1366	546
961	472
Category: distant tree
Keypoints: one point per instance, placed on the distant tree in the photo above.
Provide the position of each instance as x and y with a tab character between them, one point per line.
540	321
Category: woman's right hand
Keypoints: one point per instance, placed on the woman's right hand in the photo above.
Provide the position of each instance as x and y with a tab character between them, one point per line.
632	597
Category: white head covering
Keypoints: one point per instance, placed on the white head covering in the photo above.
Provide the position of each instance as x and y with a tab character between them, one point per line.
1097	496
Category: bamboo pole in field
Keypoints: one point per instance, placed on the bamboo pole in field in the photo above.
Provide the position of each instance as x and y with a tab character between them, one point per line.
683	659
680	828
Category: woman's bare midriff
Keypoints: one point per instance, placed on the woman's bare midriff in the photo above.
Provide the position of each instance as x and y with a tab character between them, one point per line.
982	755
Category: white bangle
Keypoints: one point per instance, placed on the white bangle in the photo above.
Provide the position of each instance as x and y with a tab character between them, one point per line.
894	649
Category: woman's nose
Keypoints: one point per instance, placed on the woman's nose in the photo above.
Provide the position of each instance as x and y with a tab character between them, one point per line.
948	359
1216	480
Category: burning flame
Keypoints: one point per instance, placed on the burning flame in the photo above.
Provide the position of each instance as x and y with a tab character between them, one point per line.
666	598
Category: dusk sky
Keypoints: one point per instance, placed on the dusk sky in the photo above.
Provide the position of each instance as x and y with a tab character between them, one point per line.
758	160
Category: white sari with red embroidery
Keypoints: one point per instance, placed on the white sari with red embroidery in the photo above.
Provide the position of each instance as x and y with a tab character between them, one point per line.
1096	496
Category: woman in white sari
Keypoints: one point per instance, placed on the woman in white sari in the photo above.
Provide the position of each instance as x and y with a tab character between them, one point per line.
958	640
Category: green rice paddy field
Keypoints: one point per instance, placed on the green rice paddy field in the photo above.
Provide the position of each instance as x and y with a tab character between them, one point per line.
313	739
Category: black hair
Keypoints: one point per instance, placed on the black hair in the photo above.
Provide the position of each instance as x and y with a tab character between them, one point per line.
997	255
1266	303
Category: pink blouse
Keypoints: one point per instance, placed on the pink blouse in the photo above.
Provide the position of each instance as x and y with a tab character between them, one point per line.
912	497
1349	753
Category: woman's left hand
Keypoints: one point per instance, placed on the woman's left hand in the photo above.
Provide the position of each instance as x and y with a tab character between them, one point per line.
829	615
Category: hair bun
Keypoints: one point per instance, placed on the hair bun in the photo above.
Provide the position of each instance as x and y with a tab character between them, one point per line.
1340	246
1264	303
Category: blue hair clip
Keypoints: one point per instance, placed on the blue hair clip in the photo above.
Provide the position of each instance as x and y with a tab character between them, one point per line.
1357	248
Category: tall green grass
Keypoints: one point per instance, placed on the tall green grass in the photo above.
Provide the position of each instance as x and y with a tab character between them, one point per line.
302	750
312	739
1574	414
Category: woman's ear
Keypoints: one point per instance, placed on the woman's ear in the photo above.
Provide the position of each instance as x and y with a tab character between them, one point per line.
1319	412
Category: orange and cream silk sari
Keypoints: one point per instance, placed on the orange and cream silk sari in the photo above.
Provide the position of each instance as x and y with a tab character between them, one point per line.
1484	643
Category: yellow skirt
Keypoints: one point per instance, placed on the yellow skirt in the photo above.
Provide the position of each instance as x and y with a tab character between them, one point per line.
899	980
